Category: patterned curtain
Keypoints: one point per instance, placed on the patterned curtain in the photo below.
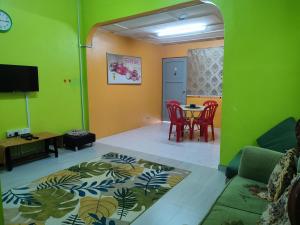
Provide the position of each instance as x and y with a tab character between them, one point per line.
205	71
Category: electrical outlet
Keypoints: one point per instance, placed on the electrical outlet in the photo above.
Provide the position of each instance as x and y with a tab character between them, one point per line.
17	132
12	133
24	131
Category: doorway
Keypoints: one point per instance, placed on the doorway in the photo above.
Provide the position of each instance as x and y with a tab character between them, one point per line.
132	116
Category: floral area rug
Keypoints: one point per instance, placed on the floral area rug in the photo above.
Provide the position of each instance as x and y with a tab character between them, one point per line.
112	190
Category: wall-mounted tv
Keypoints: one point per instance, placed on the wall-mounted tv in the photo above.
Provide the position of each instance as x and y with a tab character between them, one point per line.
15	78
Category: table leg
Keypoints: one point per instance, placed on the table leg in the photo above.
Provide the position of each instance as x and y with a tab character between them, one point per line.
47	146
8	161
52	141
55	147
192	115
185	113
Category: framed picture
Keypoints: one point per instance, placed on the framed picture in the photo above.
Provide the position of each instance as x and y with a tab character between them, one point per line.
123	69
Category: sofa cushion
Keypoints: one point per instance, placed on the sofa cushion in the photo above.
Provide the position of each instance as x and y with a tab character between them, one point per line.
281	176
241	193
281	137
222	215
277	212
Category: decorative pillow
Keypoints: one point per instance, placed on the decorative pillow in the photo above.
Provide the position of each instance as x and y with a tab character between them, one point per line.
281	176
277	212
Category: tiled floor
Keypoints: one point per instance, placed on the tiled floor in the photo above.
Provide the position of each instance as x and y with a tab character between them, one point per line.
154	140
186	204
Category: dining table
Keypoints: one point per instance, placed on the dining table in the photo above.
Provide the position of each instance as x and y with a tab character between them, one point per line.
197	109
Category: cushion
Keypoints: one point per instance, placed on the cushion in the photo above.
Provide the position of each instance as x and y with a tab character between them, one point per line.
258	163
281	137
241	193
277	212
221	215
281	176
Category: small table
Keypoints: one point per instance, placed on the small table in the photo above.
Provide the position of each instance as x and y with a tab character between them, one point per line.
187	108
7	144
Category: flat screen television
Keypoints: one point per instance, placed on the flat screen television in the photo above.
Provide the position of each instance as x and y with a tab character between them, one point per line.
15	78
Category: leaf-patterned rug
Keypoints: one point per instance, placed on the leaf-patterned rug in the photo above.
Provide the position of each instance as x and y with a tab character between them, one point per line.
112	190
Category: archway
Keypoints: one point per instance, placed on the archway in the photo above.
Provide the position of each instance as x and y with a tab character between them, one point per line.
118	108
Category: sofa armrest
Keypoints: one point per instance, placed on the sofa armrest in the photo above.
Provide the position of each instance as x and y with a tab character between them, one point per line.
258	163
233	166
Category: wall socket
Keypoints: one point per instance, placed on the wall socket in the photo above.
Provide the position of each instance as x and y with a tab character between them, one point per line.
17	132
24	131
12	133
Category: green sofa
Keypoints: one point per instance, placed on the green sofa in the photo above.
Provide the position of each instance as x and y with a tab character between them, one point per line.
238	204
280	138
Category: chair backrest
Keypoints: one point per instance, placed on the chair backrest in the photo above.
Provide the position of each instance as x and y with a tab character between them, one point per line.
172	101
169	109
175	113
208	113
210	102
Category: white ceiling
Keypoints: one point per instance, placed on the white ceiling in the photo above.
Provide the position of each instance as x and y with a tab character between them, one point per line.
145	28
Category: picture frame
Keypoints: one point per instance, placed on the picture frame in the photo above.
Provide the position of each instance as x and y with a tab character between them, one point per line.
123	69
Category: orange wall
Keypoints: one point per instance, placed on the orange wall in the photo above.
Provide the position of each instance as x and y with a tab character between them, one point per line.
117	108
200	100
181	50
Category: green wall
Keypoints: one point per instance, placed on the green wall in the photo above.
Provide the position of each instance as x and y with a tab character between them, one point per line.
96	11
44	34
261	71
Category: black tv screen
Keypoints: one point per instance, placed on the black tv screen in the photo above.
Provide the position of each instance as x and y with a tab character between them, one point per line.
18	78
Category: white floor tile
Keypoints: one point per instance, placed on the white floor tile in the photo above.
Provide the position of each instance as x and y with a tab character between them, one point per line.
186	204
154	140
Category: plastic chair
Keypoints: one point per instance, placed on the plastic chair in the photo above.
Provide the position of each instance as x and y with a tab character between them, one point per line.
177	118
210	102
204	120
174	102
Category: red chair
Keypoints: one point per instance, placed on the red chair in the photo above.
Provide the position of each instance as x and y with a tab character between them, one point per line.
204	120
177	118
174	102
210	102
